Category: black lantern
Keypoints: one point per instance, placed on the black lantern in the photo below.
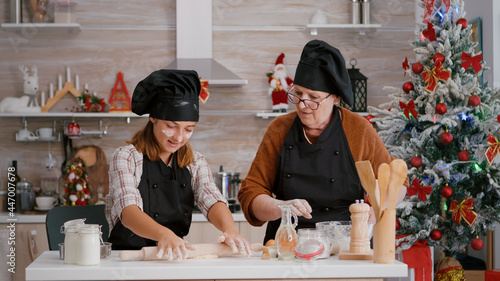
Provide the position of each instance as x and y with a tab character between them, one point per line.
358	84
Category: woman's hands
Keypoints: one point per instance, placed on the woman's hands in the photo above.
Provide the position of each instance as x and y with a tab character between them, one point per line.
300	207
172	246
237	243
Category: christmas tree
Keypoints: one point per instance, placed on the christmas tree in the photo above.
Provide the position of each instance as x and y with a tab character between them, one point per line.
444	123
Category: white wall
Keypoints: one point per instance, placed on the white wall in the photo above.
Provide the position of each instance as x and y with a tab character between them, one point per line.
489	11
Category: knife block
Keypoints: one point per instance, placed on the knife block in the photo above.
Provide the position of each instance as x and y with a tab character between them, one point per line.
384	238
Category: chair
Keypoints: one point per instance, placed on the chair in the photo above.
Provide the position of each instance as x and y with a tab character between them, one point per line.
57	216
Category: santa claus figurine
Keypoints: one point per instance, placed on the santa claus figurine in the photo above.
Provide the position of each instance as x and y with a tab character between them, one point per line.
278	84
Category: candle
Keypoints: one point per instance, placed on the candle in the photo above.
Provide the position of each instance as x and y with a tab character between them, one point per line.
68	74
42	102
59	82
94	94
77	82
51	87
86	87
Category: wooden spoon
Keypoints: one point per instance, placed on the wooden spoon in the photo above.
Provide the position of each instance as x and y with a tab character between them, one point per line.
384	174
367	178
399	171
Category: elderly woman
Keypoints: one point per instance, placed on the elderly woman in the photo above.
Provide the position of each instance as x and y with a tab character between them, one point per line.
307	157
156	179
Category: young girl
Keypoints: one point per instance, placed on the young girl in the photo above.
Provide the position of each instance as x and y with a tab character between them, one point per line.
156	179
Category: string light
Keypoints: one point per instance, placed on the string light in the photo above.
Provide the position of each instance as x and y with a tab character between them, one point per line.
477	168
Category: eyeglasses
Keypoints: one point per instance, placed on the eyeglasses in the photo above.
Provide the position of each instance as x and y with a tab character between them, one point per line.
307	102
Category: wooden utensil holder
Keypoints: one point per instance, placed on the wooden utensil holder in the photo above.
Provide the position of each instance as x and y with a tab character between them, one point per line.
384	238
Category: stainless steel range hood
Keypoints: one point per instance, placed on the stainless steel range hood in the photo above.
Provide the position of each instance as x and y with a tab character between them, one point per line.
194	44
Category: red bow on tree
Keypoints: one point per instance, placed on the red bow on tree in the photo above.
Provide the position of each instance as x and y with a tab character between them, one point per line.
429	8
469	60
431	76
494	148
430	32
204	94
406	66
422	191
409	108
463	210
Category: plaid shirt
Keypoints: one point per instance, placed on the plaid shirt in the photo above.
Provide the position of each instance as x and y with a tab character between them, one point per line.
125	171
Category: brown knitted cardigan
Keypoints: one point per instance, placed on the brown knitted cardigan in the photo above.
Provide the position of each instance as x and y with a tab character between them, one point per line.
364	143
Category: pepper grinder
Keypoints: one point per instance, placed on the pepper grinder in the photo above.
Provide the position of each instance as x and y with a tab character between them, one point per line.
359	230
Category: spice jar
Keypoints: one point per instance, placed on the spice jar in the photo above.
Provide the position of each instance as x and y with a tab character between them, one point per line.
89	244
312	244
356	11
71	230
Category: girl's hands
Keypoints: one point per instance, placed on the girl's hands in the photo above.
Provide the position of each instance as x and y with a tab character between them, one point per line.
173	247
237	243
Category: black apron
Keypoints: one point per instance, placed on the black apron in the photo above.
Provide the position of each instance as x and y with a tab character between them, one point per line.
167	197
323	173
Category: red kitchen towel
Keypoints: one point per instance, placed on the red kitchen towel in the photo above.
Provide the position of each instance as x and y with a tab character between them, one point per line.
419	258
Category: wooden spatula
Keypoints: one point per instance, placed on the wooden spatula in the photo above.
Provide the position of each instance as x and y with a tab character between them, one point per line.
384	174
367	178
399	171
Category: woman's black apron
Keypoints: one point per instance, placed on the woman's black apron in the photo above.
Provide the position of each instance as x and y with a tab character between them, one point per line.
167	197
323	173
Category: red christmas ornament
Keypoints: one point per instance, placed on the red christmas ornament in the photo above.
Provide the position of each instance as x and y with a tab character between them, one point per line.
436	234
446	138
498	118
73	129
441	108
438	58
398	225
369	117
416	162
463	22
447	191
477	244
464	155
417	68
407	87
474	100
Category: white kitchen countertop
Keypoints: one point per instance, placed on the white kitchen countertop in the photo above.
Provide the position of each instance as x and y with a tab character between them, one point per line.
49	267
40	218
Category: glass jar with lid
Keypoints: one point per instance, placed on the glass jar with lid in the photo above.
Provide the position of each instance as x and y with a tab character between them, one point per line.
312	244
89	244
71	230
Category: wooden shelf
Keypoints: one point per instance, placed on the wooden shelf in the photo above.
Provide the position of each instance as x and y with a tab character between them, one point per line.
70	28
360	27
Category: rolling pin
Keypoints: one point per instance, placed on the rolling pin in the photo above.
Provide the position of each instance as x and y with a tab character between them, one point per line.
207	249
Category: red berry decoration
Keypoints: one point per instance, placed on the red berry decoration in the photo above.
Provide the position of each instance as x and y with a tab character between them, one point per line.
398	225
446	138
369	117
407	87
438	57
498	118
463	22
441	108
464	155
474	100
417	68
416	162
477	244
436	234
447	191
